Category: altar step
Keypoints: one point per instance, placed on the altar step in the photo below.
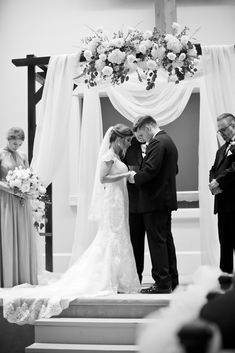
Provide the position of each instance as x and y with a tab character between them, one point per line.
80	348
87	331
100	325
117	306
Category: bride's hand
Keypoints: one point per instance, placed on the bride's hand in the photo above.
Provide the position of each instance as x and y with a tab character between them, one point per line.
131	177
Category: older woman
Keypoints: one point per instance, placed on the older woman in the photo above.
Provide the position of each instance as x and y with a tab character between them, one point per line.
18	255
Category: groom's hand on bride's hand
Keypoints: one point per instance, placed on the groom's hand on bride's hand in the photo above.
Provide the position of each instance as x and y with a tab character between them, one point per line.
131	177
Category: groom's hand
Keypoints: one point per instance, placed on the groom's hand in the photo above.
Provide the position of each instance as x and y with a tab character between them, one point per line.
131	177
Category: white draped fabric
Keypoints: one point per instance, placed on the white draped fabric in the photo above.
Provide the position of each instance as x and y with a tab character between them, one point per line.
91	137
60	120
53	120
219	72
165	102
207	150
217	94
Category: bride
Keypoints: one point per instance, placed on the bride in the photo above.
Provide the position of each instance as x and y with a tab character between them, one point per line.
107	267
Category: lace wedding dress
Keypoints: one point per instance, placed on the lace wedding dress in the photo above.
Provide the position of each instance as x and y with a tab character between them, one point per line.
106	267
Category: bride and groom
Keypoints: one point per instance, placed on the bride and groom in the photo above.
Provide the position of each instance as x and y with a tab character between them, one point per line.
108	265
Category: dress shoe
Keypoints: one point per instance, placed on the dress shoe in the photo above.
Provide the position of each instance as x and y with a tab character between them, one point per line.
156	290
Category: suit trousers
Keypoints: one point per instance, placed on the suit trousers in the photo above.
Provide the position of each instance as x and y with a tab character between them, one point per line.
162	248
137	232
226	229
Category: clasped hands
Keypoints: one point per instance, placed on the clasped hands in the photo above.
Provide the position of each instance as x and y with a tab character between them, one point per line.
214	187
131	178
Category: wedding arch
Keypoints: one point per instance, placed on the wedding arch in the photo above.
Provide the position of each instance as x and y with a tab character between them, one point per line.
61	112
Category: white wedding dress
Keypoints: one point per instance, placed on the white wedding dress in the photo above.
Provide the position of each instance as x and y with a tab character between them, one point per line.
106	267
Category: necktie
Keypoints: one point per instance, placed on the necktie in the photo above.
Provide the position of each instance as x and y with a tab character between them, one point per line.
228	145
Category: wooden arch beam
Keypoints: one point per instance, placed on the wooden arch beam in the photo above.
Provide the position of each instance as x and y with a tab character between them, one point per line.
165	14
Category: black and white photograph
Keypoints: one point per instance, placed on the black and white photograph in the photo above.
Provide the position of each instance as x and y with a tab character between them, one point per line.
117	176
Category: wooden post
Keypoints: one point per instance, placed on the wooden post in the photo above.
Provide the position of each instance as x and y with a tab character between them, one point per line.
31	108
165	14
49	233
33	98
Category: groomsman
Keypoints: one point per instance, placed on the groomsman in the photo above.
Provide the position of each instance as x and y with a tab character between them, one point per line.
157	198
134	159
222	185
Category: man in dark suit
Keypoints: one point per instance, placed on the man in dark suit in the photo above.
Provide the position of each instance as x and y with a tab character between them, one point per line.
134	159
157	198
222	185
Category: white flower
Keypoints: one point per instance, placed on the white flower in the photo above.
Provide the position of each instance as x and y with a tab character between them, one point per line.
169	37
173	78
148	34
102	48
87	54
99	65
147	43
102	56
116	56
107	71
174	44
117	42
25	188
132	66
151	64
42	189
130	58
182	56
154	51
15	183
142	48
161	52
176	27
192	52
184	40
93	45
171	56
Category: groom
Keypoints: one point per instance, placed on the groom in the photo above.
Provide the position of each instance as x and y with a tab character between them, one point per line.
157	192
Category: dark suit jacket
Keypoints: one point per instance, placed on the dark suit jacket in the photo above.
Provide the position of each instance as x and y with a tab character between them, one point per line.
133	158
157	177
223	170
221	311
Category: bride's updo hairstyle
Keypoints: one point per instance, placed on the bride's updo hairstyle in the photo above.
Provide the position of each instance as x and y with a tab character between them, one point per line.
120	130
15	133
118	135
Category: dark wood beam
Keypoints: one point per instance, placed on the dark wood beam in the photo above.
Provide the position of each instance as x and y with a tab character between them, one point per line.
33	60
31	108
40	77
36	61
38	95
165	14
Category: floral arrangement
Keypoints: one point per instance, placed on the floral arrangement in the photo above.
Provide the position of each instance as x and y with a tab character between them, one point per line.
25	183
141	52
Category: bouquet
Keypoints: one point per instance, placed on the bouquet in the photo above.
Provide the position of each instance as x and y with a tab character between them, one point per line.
26	184
116	57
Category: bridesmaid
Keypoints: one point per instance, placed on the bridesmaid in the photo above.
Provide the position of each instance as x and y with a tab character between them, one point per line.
18	253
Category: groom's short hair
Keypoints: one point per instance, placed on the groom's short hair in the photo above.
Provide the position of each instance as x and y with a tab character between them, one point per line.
225	116
143	121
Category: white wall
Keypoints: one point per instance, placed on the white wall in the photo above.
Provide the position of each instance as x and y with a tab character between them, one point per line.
48	27
215	18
